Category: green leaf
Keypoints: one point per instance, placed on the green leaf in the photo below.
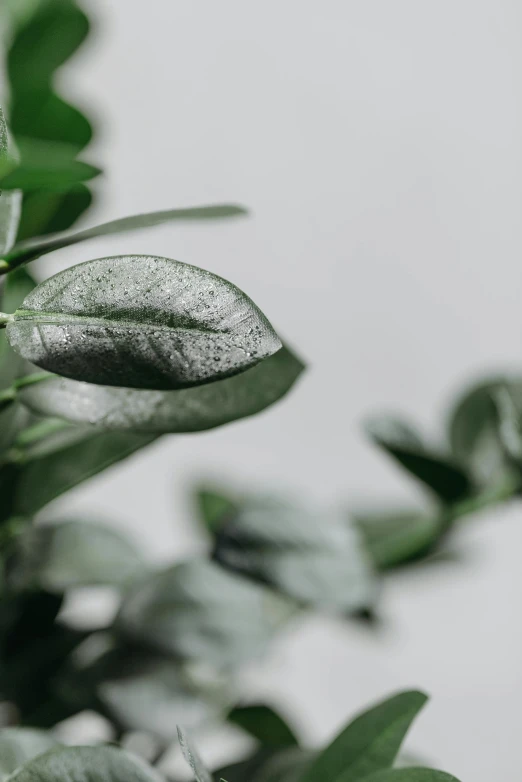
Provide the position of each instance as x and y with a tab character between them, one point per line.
45	212
44	41
142	322
397	537
16	286
86	764
475	430
42	114
10	215
152	693
32	485
197	611
44	167
509	407
18	745
313	557
57	557
214	507
187	410
411	775
369	743
440	473
264	724
269	765
192	757
29	251
10	203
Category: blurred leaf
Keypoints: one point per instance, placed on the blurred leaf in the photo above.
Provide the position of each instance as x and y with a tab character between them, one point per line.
475	433
10	203
369	743
314	557
192	757
10	214
264	724
45	212
214	507
509	406
27	679
57	557
410	775
18	745
197	611
45	436
29	251
16	286
185	410
37	482
44	166
439	473
46	39
42	114
141	322
396	537
82	764
148	692
269	765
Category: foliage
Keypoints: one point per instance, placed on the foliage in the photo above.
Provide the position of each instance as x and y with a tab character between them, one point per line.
97	363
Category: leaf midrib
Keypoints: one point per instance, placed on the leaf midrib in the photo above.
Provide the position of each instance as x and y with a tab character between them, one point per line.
65	319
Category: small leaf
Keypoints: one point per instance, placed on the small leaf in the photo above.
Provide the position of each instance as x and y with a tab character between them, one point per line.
148	692
269	765
30	250
264	724
79	764
192	757
474	430
197	611
215	507
57	557
46	213
313	557
410	775
18	745
44	166
440	473
186	410
141	322
42	114
397	537
369	743
36	51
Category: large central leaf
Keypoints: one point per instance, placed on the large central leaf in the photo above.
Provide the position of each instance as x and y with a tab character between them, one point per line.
141	322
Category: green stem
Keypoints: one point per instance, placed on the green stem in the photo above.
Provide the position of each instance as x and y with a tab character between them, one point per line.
5	266
5	319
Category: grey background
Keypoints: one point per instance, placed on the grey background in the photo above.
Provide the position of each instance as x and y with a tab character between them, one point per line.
378	144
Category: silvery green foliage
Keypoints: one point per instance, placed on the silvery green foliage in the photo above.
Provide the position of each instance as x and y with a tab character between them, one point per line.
185	410
10	201
141	322
313	556
191	755
70	554
19	745
198	611
86	764
151	693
